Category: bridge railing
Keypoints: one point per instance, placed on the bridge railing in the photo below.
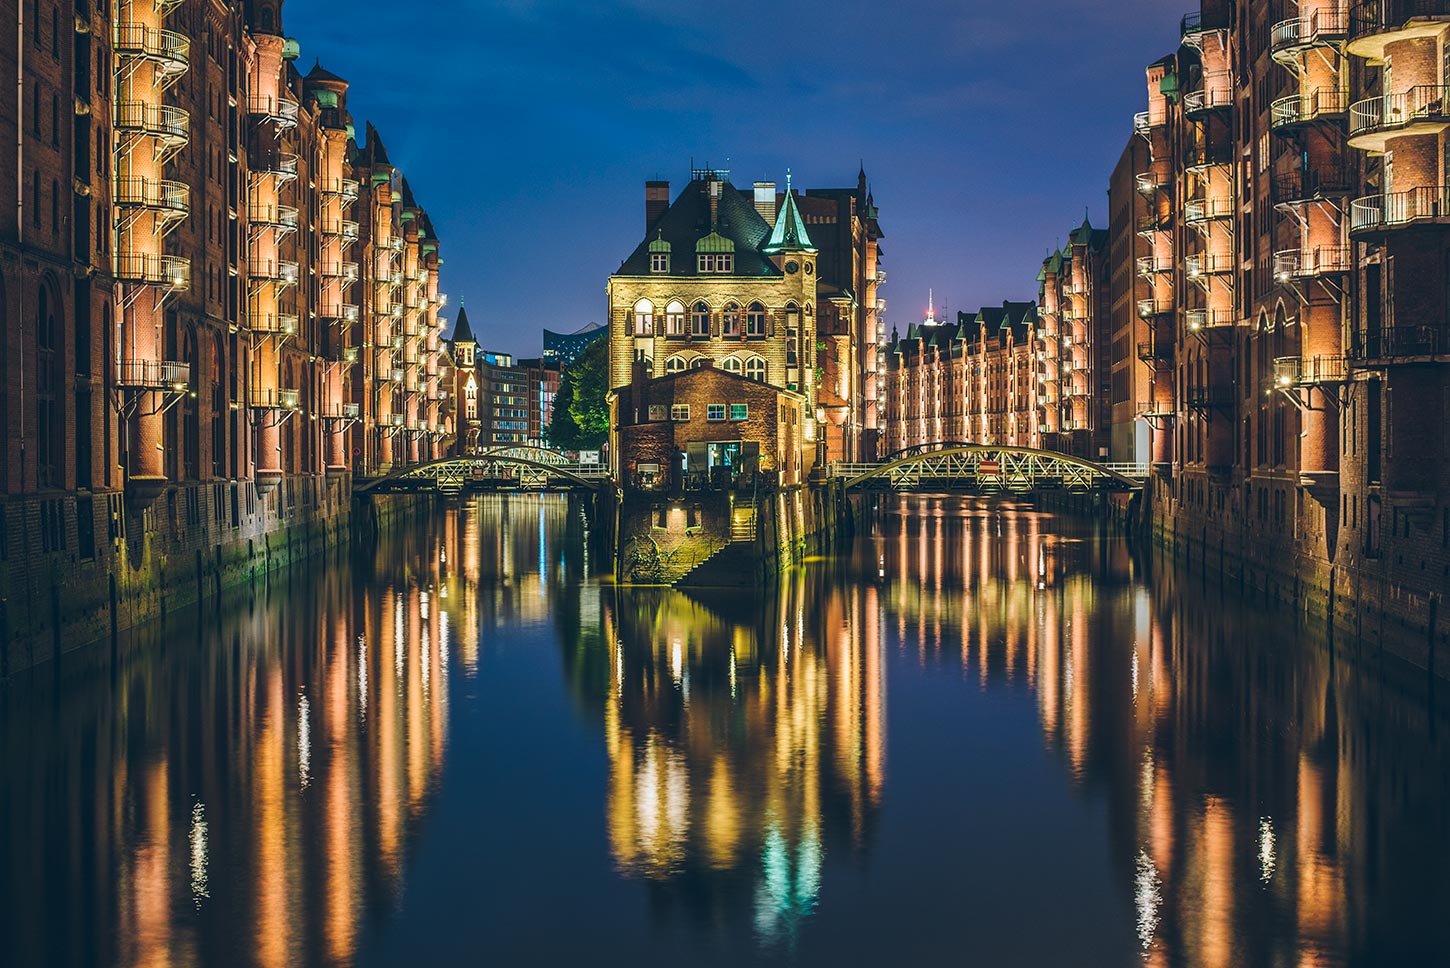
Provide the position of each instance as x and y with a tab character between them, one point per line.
850	470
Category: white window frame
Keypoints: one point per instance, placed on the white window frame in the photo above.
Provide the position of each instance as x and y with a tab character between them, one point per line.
757	364
700	321
676	364
715	412
680	412
644	318
732	364
744	411
659	262
755	324
732	321
675	319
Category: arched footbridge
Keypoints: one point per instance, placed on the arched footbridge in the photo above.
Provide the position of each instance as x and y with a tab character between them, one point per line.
989	469
503	468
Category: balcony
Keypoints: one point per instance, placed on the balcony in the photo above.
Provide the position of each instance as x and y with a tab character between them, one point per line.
1290	264
1422	110
1377	214
281	165
281	111
282	219
1301	371
348	355
1288	114
345	188
1148	308
169	200
1325	27
346	312
344	229
394	244
277	271
170	126
1374	24
396	375
1216	94
351	411
1148	182
167	271
1207	398
1148	265
168	50
346	271
1153	222
1201	265
273	324
442	300
1198	320
273	398
1197	157
1156	352
1315	184
153	375
1390	344
1199	210
1145	121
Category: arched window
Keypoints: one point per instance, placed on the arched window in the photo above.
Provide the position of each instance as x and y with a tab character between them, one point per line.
700	320
699	363
731	364
755	369
730	321
644	318
755	320
675	319
675	364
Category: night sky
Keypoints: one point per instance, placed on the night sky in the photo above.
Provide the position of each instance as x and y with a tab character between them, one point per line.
527	128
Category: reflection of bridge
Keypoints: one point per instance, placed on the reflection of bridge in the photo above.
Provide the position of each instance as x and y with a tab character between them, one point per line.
989	469
503	468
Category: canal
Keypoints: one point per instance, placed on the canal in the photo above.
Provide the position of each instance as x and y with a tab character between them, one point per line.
987	736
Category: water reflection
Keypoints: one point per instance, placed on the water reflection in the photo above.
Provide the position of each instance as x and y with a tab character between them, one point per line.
393	757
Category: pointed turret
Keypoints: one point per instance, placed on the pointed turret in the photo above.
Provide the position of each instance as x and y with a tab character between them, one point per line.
462	332
790	233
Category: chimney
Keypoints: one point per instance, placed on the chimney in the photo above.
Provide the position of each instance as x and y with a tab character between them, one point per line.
656	201
765	200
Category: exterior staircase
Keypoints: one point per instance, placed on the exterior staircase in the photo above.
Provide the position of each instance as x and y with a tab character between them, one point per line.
742	522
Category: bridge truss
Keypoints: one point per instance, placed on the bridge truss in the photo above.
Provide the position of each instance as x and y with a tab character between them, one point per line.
503	468
989	469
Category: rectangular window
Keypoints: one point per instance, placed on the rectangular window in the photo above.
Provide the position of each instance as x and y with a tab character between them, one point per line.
680	411
657	411
725	263
659	262
755	322
700	322
739	411
706	263
715	411
644	324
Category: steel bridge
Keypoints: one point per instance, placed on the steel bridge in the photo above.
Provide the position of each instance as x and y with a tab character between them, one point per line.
500	469
989	469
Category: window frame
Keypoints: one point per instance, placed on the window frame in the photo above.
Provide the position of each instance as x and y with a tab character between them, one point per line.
740	411
700	321
755	321
657	413
759	365
715	412
679	413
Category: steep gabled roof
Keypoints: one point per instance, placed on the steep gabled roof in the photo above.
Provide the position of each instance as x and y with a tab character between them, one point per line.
687	221
789	234
462	332
320	73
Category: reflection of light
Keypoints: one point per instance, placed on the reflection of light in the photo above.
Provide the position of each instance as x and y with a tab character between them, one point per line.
1135	673
1267	853
732	671
199	887
790	885
362	677
304	741
1147	896
423	605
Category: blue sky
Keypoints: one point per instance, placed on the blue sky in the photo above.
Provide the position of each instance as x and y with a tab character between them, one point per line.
528	127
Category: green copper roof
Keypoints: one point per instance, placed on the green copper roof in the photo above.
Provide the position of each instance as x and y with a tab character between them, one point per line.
659	244
714	242
790	233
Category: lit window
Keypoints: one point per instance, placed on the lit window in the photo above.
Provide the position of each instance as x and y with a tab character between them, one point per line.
730	364
675	364
657	411
755	369
675	319
739	411
715	411
680	411
644	318
659	262
730	321
755	320
700	320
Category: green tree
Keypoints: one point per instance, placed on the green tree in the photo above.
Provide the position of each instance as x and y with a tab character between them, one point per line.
581	414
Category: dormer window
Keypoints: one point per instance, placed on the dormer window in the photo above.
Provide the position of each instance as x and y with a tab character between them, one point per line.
659	262
716	262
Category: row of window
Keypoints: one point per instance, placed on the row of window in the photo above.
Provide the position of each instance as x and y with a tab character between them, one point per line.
754	368
704	262
733	321
714	412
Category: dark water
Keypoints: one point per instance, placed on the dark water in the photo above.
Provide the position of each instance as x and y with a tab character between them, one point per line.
986	738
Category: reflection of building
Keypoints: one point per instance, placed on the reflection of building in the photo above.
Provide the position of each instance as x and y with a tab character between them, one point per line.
742	748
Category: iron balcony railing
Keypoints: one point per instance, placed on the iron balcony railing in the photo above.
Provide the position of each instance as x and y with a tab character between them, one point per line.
153	374
1201	319
351	410
169	198
1392	342
346	271
349	354
1150	264
167	49
1155	351
1389	112
1217	92
1205	209
345	229
1298	371
1147	182
165	122
281	111
1320	104
1154	307
1145	121
1375	212
1213	155
1317	261
1204	398
279	164
1153	222
1303	185
283	218
346	312
1382	16
168	271
279	271
275	398
277	324
346	188
1323	26
1202	264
